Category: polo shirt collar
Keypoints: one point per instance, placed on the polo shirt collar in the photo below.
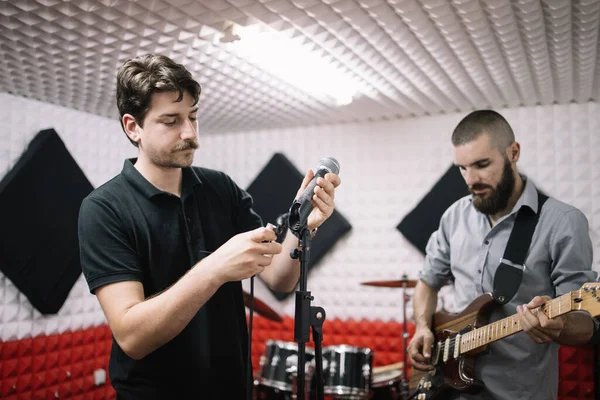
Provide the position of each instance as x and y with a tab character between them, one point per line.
137	180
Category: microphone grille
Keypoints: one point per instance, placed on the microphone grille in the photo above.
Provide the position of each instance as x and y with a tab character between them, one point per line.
331	164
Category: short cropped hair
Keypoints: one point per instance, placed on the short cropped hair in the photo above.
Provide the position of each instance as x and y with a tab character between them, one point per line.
482	122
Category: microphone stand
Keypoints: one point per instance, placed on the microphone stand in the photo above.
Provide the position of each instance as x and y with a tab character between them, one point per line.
307	317
404	379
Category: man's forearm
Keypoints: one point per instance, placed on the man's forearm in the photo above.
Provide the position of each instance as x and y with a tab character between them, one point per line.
578	329
150	324
424	304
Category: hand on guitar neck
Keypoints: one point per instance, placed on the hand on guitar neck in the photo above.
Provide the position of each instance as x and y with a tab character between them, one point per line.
569	328
537	325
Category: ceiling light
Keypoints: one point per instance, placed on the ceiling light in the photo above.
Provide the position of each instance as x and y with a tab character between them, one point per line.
294	62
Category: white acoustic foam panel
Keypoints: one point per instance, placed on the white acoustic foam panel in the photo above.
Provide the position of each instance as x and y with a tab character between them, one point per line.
386	168
409	57
99	147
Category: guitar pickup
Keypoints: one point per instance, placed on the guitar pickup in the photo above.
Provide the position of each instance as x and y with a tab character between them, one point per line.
446	349
457	346
437	353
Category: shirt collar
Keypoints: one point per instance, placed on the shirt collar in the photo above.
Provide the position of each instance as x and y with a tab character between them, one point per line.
190	179
528	198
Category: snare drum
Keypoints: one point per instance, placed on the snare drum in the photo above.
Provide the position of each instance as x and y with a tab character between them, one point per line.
279	363
386	382
347	371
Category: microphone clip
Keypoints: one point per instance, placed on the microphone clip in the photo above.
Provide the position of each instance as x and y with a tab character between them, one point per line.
281	227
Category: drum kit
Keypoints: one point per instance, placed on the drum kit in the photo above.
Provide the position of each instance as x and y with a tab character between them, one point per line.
348	371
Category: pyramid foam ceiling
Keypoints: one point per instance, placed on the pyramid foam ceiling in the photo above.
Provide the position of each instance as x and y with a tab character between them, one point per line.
411	57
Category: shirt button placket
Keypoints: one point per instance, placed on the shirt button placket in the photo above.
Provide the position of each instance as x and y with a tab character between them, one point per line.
483	256
486	242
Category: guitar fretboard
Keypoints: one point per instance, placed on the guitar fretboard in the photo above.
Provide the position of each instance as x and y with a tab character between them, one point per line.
505	327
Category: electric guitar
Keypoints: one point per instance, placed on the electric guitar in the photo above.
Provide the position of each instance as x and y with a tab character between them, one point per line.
459	337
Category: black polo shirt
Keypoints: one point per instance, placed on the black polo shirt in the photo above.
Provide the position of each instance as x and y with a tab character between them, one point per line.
596	332
130	230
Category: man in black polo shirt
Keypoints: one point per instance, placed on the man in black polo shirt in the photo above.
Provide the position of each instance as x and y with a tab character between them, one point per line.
595	332
164	247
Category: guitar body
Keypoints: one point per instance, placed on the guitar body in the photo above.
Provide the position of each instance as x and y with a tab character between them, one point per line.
454	374
460	337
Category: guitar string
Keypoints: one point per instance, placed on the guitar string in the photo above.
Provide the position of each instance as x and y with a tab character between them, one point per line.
545	307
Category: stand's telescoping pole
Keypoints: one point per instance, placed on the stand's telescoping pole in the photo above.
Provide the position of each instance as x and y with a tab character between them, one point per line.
307	317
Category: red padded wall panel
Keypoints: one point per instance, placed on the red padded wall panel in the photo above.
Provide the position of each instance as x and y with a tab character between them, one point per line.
56	366
385	339
576	379
62	366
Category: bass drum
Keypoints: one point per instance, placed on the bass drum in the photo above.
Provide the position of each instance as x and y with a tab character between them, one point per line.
347	371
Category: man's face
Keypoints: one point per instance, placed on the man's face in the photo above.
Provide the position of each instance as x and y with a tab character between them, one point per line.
487	172
170	133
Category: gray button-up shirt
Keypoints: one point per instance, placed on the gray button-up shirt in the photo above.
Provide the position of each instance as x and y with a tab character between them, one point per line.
467	249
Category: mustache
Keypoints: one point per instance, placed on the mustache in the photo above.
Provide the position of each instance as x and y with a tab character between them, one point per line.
189	144
479	187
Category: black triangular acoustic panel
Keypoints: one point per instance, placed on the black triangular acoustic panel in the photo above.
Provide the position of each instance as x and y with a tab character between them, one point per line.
273	191
39	207
418	225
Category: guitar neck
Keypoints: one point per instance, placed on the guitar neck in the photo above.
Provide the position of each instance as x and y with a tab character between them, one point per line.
486	334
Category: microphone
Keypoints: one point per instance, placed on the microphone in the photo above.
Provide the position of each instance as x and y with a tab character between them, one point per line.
281	227
301	208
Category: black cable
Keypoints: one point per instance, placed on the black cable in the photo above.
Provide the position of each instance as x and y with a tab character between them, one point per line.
280	231
596	371
250	318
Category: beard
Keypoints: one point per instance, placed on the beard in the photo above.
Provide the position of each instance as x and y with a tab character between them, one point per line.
178	157
499	196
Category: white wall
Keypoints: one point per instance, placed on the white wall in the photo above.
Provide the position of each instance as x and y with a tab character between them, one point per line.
386	168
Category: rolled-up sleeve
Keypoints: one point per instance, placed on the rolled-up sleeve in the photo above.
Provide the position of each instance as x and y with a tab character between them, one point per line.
436	270
572	253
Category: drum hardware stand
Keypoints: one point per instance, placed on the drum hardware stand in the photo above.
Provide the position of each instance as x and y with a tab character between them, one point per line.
404	379
307	317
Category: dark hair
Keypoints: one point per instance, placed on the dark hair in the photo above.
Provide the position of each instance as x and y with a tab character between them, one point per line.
482	122
141	76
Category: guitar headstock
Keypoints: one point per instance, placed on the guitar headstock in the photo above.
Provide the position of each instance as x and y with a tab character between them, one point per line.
587	299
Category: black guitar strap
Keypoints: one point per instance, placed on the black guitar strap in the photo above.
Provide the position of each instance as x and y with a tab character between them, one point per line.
510	271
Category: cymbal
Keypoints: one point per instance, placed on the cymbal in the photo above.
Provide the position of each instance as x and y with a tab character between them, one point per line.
408	283
261	308
386	368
